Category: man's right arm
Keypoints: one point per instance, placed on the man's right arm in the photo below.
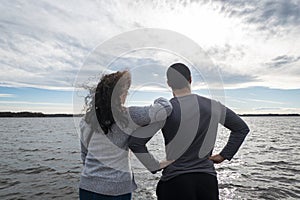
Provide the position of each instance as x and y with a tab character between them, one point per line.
137	143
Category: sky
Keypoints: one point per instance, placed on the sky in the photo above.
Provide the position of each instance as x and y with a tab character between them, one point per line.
254	45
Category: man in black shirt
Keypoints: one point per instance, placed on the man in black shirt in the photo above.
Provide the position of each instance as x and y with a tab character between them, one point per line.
190	133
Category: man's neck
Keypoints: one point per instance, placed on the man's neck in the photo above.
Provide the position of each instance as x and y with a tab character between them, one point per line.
182	92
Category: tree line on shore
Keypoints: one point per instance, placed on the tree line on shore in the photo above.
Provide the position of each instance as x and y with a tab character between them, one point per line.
35	114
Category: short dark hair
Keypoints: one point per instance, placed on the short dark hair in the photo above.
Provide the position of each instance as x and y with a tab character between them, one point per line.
179	76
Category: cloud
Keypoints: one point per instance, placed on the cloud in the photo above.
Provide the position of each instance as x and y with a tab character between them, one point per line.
268	108
247	100
226	52
7	95
266	101
43	44
36	57
278	110
283	60
35	103
280	71
232	78
268	15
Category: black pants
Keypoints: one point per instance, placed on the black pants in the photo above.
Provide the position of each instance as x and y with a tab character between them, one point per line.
88	195
190	186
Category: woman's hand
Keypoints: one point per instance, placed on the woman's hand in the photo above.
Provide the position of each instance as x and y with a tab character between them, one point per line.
217	158
163	164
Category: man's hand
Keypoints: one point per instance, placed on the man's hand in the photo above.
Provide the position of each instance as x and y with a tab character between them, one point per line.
163	164
217	158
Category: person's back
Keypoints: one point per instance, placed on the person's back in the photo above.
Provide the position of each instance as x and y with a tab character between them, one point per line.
104	134
106	165
190	133
184	133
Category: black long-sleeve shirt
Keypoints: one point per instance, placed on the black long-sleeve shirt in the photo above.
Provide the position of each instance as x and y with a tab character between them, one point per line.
190	133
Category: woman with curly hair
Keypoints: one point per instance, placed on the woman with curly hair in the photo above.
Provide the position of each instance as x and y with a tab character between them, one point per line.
105	130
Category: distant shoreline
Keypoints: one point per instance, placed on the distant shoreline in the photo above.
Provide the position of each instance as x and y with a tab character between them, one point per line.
40	114
269	115
35	114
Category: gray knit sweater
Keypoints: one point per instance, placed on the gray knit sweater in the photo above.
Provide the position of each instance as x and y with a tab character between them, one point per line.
106	165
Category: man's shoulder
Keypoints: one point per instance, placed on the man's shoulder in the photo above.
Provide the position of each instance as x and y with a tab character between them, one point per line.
203	98
205	101
193	95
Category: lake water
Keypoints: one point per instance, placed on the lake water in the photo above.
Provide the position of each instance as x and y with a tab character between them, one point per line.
40	159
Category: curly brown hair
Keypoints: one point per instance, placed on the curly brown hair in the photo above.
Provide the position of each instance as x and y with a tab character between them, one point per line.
107	101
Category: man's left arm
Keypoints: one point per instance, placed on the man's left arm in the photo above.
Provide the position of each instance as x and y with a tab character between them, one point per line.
239	131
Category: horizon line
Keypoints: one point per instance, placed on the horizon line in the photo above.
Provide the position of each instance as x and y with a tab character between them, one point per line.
41	114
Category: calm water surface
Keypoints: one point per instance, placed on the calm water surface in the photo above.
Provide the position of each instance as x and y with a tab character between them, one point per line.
40	159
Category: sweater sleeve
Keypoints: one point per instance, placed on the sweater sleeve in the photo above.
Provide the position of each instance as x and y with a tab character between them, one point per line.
158	111
85	137
239	131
